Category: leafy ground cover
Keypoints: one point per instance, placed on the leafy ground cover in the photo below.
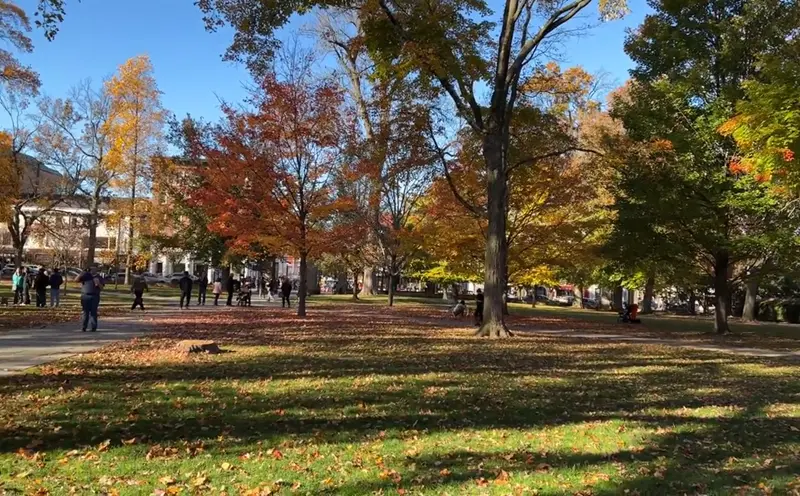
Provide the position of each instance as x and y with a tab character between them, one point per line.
358	400
698	330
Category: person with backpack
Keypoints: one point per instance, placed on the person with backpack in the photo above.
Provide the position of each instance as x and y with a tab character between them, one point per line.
90	297
138	287
56	280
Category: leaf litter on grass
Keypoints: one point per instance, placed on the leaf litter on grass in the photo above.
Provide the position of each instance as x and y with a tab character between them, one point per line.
354	401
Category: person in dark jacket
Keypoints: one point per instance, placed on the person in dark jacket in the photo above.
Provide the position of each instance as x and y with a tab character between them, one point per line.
185	284
90	297
56	280
202	288
286	292
40	286
230	286
479	307
138	287
28	283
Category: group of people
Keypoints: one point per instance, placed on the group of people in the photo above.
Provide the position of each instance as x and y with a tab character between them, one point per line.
243	290
24	279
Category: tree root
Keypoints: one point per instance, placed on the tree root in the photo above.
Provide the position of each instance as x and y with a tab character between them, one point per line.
494	330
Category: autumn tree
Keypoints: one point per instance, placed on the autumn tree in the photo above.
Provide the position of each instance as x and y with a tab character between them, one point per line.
135	129
270	169
30	190
75	136
696	197
555	206
453	47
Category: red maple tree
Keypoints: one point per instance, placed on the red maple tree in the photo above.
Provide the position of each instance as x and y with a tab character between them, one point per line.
270	171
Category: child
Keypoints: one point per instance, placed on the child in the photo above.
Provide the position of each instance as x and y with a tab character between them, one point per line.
217	290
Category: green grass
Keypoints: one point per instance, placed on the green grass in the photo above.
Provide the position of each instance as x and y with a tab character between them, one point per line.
359	400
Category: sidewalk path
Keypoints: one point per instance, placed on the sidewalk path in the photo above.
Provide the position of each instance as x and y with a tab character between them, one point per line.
25	348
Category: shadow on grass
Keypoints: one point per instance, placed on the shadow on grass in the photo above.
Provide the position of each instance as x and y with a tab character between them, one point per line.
342	377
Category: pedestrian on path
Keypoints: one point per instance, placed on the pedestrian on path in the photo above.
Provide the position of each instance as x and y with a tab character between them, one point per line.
18	285
230	285
479	307
286	292
202	287
138	287
56	280
40	284
90	297
217	290
186	289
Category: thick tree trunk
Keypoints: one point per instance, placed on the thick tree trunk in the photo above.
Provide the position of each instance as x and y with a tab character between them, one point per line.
649	288
617	298
750	311
577	296
495	283
721	292
355	284
303	289
341	284
368	282
691	307
19	251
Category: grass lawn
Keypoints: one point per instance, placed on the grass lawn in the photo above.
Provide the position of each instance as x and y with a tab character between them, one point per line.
359	400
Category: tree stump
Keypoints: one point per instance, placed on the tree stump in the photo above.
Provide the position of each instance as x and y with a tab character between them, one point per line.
197	346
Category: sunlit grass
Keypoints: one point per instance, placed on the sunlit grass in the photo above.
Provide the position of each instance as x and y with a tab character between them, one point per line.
355	400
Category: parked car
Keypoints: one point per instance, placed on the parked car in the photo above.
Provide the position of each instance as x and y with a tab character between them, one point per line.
154	279
175	277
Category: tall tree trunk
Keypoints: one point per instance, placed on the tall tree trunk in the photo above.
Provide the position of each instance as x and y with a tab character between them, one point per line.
749	313
94	215
649	288
392	283
355	284
19	251
131	220
301	292
341	283
494	285
691	307
368	282
721	292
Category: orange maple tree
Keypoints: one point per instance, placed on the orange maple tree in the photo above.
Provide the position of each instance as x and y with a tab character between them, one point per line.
270	171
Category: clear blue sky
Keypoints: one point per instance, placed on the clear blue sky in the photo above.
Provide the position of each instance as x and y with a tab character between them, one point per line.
98	35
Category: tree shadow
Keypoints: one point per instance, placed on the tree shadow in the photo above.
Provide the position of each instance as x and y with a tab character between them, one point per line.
337	382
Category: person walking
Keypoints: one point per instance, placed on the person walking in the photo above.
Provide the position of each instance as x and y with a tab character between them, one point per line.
90	298
230	285
272	289
40	284
217	290
286	292
56	280
18	285
185	284
202	287
138	287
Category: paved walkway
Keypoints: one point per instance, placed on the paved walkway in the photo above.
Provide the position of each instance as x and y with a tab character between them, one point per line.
25	348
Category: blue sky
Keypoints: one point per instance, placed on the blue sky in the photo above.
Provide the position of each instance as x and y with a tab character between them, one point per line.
99	35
